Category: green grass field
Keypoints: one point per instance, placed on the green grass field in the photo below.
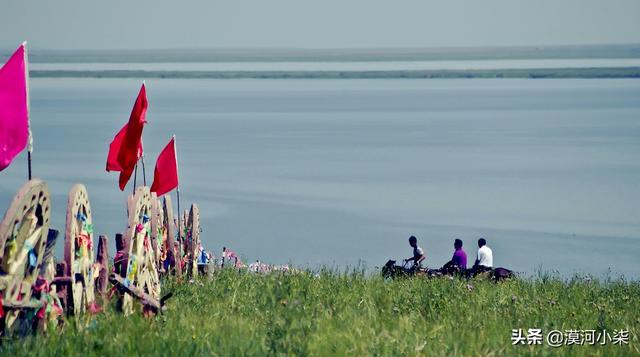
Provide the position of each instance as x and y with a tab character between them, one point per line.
351	313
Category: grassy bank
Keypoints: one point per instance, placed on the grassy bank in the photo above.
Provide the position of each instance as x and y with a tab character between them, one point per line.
349	313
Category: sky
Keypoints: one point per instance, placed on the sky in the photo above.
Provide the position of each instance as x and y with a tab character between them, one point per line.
161	24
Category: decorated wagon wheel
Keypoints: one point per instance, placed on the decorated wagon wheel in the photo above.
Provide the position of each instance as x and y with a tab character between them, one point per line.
142	272
158	233
183	243
192	239
78	252
163	231
44	288
171	229
23	235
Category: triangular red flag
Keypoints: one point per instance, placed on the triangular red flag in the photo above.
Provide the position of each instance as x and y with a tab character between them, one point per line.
124	177
114	149
126	148
14	109
165	175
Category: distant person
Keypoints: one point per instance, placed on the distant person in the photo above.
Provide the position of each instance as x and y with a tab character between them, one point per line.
484	260
170	262
224	256
203	260
255	267
230	255
185	260
418	254
458	262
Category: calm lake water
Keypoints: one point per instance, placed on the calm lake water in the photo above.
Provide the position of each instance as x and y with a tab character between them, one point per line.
347	66
340	171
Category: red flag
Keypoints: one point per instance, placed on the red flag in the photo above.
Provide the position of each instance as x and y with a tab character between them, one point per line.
114	149
124	177
126	148
165	175
14	108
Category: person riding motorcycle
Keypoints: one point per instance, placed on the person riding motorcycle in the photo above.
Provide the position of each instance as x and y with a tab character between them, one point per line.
418	255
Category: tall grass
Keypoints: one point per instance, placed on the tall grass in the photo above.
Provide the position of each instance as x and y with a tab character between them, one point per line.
350	313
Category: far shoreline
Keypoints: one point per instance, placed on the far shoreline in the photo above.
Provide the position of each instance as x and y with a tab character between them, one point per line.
534	73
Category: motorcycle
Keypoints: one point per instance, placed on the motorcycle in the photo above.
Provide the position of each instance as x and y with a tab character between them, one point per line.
391	270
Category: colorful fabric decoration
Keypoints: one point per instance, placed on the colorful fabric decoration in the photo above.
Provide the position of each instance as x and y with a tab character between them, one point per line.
88	228
132	269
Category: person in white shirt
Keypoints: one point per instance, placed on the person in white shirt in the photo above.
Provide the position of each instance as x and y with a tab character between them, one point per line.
484	260
418	254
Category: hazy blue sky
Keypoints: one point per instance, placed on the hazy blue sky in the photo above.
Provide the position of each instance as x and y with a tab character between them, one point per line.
315	24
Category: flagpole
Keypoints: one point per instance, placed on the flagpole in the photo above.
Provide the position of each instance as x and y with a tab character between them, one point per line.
175	147
29	162
135	177
30	144
144	172
179	225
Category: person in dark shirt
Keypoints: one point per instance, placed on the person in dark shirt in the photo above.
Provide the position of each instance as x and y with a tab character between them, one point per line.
459	260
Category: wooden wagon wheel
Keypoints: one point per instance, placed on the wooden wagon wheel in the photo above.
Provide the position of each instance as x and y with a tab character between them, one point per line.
142	272
163	231
23	235
79	252
170	223
49	315
192	239
158	233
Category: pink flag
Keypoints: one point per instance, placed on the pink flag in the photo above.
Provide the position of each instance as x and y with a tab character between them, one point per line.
14	107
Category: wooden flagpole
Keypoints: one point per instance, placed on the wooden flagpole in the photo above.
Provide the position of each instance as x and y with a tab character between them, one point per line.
30	144
135	177
144	172
175	148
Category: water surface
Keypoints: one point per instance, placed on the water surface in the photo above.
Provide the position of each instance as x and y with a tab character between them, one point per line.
337	171
345	66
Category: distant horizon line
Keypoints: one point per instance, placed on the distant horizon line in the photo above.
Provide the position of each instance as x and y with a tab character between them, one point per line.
365	48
